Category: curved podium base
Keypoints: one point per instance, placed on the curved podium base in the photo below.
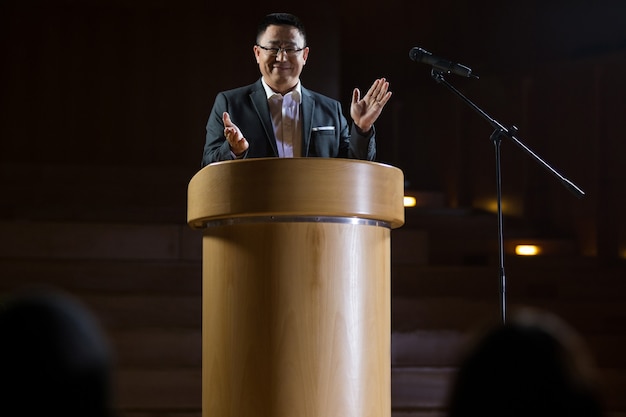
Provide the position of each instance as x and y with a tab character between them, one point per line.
302	334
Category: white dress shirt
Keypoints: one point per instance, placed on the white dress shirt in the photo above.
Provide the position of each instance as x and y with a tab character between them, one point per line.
285	112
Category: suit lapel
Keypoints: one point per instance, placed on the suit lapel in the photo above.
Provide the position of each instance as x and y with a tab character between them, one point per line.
308	107
259	101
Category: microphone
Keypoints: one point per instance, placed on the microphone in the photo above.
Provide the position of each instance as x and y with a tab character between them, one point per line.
421	55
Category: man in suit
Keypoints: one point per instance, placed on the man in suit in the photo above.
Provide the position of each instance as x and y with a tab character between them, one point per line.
277	117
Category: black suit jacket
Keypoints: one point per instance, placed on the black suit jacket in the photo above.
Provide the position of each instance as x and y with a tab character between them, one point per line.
325	130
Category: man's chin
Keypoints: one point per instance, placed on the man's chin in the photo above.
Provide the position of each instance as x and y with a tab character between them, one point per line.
282	75
285	81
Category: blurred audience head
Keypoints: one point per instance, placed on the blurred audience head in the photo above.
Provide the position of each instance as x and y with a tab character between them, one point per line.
532	365
54	359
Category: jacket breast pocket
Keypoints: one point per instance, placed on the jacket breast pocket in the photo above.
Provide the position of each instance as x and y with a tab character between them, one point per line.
323	142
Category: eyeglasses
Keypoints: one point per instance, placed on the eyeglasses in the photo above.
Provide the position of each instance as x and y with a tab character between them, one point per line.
277	51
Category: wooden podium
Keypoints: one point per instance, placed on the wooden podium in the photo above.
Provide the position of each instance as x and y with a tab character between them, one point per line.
296	286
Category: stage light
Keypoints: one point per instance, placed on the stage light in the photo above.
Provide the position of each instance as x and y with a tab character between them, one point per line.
409	201
527	250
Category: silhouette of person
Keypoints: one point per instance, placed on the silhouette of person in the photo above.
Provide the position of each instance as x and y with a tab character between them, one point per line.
54	359
532	365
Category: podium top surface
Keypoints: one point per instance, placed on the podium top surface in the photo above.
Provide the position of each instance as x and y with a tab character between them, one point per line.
295	187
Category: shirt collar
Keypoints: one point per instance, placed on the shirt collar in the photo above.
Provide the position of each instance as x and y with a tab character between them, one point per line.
269	92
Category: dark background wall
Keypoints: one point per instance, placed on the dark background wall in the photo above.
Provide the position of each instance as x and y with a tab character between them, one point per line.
128	85
102	113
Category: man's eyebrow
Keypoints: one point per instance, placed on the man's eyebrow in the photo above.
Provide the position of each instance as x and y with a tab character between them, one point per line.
279	43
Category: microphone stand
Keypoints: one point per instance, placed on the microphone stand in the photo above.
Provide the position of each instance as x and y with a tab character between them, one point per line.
499	132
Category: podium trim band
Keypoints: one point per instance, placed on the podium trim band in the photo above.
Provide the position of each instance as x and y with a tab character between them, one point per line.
297	219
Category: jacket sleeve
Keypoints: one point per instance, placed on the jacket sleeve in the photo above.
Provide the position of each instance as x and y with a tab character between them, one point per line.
216	147
362	147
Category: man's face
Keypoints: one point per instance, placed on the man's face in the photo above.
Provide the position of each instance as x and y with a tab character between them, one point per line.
281	71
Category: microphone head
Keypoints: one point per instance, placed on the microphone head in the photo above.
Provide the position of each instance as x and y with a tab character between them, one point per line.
417	54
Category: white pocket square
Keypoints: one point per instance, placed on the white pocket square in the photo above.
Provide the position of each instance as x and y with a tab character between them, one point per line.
317	129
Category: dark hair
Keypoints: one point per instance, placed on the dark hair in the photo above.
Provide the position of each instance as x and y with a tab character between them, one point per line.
534	365
280	19
54	357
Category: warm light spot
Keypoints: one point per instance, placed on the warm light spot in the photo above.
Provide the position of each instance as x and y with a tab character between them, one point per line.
510	206
409	201
527	250
492	206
